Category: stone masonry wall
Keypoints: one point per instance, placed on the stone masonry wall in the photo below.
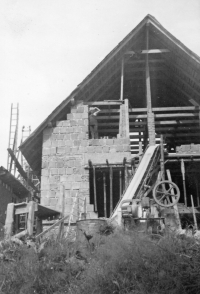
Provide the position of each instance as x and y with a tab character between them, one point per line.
66	151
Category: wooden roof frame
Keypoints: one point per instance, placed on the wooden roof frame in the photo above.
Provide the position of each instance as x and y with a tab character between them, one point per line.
31	148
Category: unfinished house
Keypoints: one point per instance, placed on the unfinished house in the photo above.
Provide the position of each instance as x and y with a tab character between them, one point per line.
148	92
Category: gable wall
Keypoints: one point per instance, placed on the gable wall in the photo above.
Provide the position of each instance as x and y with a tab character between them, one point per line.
65	155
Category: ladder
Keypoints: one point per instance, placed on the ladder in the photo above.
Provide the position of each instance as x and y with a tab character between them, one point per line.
13	136
78	207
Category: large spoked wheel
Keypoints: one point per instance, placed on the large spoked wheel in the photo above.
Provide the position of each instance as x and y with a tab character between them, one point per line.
166	193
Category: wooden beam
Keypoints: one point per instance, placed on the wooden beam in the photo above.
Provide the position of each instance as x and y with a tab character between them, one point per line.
30	221
104	195
95	189
147	51
111	189
9	220
122	80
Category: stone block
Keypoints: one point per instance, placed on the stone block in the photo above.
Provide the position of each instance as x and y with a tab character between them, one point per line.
75	185
126	148
74	193
67	193
46	151
86	122
61	143
85	115
46	141
67	149
85	129
84	143
54	143
44	194
54	186
80	109
45	187
63	178
63	130
70	178
85	185
45	164
74	122
60	136
91	149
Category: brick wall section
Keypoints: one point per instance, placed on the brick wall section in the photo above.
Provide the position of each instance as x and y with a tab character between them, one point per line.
151	128
66	151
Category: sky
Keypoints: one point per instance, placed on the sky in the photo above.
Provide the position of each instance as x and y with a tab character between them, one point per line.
49	46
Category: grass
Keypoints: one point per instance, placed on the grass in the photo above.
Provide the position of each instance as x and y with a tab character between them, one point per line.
123	262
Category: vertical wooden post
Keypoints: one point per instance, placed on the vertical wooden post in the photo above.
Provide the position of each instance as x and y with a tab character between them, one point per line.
104	194
120	184
38	226
176	213
162	165
95	189
111	190
30	221
126	112
140	151
193	211
148	84
183	177
197	189
122	80
61	226
9	220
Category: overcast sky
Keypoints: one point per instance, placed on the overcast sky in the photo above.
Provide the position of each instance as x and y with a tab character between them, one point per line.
49	46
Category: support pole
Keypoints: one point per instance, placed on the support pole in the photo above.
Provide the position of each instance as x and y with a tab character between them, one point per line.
122	80
30	221
162	165
197	189
61	227
104	194
120	184
148	84
9	220
176	213
183	177
95	189
194	215
111	190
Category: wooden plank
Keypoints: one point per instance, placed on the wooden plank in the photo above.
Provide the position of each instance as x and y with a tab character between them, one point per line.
183	178
111	189
102	103
126	106
147	51
183	108
30	220
61	226
193	212
122	80
51	227
95	189
104	195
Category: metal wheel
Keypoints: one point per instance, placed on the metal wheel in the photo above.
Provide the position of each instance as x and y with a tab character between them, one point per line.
166	193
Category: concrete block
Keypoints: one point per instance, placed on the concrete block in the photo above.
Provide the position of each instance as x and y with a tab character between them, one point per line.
67	193
61	171
76	185
78	178
45	201
46	151
59	123
77	163
63	178
69	116
113	149
60	136
84	143
85	129
52	164
60	150
85	115
53	202
70	178
70	163
54	186
45	164
60	163
53	150
68	185
82	136
81	122
106	149
85	185
56	130
90	149
61	143
77	171
77	142
69	171
109	142
44	194
45	187
66	123
69	143
63	130
74	193
54	143
126	148
74	122
54	179
86	122
98	149
119	148
74	136
67	149
46	141
54	171
80	109
45	172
